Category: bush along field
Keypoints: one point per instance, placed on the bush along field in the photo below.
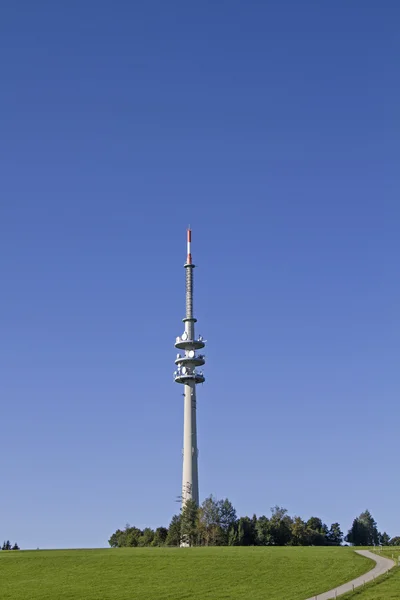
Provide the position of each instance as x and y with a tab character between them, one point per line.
217	573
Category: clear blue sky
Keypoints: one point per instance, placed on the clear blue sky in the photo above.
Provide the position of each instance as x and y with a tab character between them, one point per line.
272	127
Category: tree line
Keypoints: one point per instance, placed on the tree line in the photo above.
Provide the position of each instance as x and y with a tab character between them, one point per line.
7	546
215	523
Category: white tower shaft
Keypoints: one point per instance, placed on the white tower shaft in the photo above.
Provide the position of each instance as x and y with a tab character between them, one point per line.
190	479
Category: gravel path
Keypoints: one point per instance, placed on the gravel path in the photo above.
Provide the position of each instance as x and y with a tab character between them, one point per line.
382	566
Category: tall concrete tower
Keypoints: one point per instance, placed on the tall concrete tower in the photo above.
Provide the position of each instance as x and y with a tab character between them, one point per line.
187	373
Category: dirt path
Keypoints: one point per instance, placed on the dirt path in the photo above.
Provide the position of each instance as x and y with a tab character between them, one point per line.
382	566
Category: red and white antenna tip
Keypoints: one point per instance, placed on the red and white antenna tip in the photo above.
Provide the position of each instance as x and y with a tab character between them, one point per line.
189	249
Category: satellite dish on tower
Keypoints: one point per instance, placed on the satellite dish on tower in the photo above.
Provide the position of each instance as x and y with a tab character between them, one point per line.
191	353
184	336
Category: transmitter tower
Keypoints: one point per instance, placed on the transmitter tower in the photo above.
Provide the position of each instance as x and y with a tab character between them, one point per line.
189	375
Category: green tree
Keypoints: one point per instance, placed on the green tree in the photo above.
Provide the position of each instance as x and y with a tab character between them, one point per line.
233	536
395	541
7	545
263	535
15	547
364	531
147	537
227	518
131	537
114	539
324	529
357	534
254	521
300	533
317	532
127	537
174	531
246	534
384	539
315	524
160	536
370	524
335	535
189	523
315	538
209	522
280	526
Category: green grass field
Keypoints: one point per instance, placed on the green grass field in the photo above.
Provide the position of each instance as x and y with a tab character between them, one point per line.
176	574
384	588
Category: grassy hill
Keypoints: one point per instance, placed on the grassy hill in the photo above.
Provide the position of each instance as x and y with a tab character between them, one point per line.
384	588
176	574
